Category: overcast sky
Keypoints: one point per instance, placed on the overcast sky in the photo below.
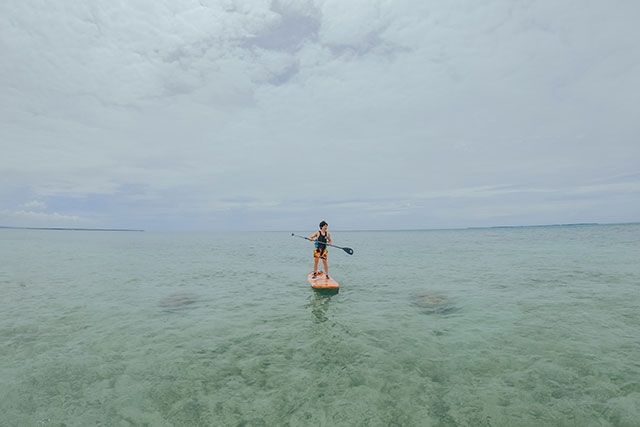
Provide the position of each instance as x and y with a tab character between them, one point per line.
274	115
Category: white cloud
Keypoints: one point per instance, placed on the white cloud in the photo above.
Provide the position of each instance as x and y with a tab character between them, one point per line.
24	218
35	204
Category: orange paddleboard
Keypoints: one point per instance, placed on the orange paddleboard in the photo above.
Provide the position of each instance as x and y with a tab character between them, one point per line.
320	282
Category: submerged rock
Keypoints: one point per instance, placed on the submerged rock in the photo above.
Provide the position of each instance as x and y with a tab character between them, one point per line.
433	303
177	301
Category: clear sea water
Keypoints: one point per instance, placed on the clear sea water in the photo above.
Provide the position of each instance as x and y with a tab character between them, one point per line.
532	326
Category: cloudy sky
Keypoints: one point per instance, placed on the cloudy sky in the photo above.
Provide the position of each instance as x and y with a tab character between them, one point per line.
275	114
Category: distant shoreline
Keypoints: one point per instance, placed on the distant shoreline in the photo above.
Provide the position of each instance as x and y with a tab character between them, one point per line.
570	224
68	229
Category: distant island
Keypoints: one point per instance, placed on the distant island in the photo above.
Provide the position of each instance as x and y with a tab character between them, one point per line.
68	228
576	224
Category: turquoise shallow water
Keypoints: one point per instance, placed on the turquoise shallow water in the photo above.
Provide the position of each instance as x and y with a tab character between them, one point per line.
534	326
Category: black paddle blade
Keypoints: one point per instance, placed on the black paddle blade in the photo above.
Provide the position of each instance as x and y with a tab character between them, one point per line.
348	250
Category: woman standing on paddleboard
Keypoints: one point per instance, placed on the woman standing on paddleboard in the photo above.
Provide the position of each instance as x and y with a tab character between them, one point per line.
322	238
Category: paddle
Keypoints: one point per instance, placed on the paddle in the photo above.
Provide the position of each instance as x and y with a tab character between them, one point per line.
347	250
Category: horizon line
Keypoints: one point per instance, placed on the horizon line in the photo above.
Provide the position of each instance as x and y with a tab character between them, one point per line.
68	228
480	227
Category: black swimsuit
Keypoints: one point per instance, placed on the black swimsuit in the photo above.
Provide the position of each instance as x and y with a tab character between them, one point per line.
322	241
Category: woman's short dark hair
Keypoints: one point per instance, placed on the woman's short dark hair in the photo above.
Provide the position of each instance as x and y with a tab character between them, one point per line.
323	223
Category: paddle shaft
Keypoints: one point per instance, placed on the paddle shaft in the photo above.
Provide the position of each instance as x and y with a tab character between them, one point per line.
347	250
